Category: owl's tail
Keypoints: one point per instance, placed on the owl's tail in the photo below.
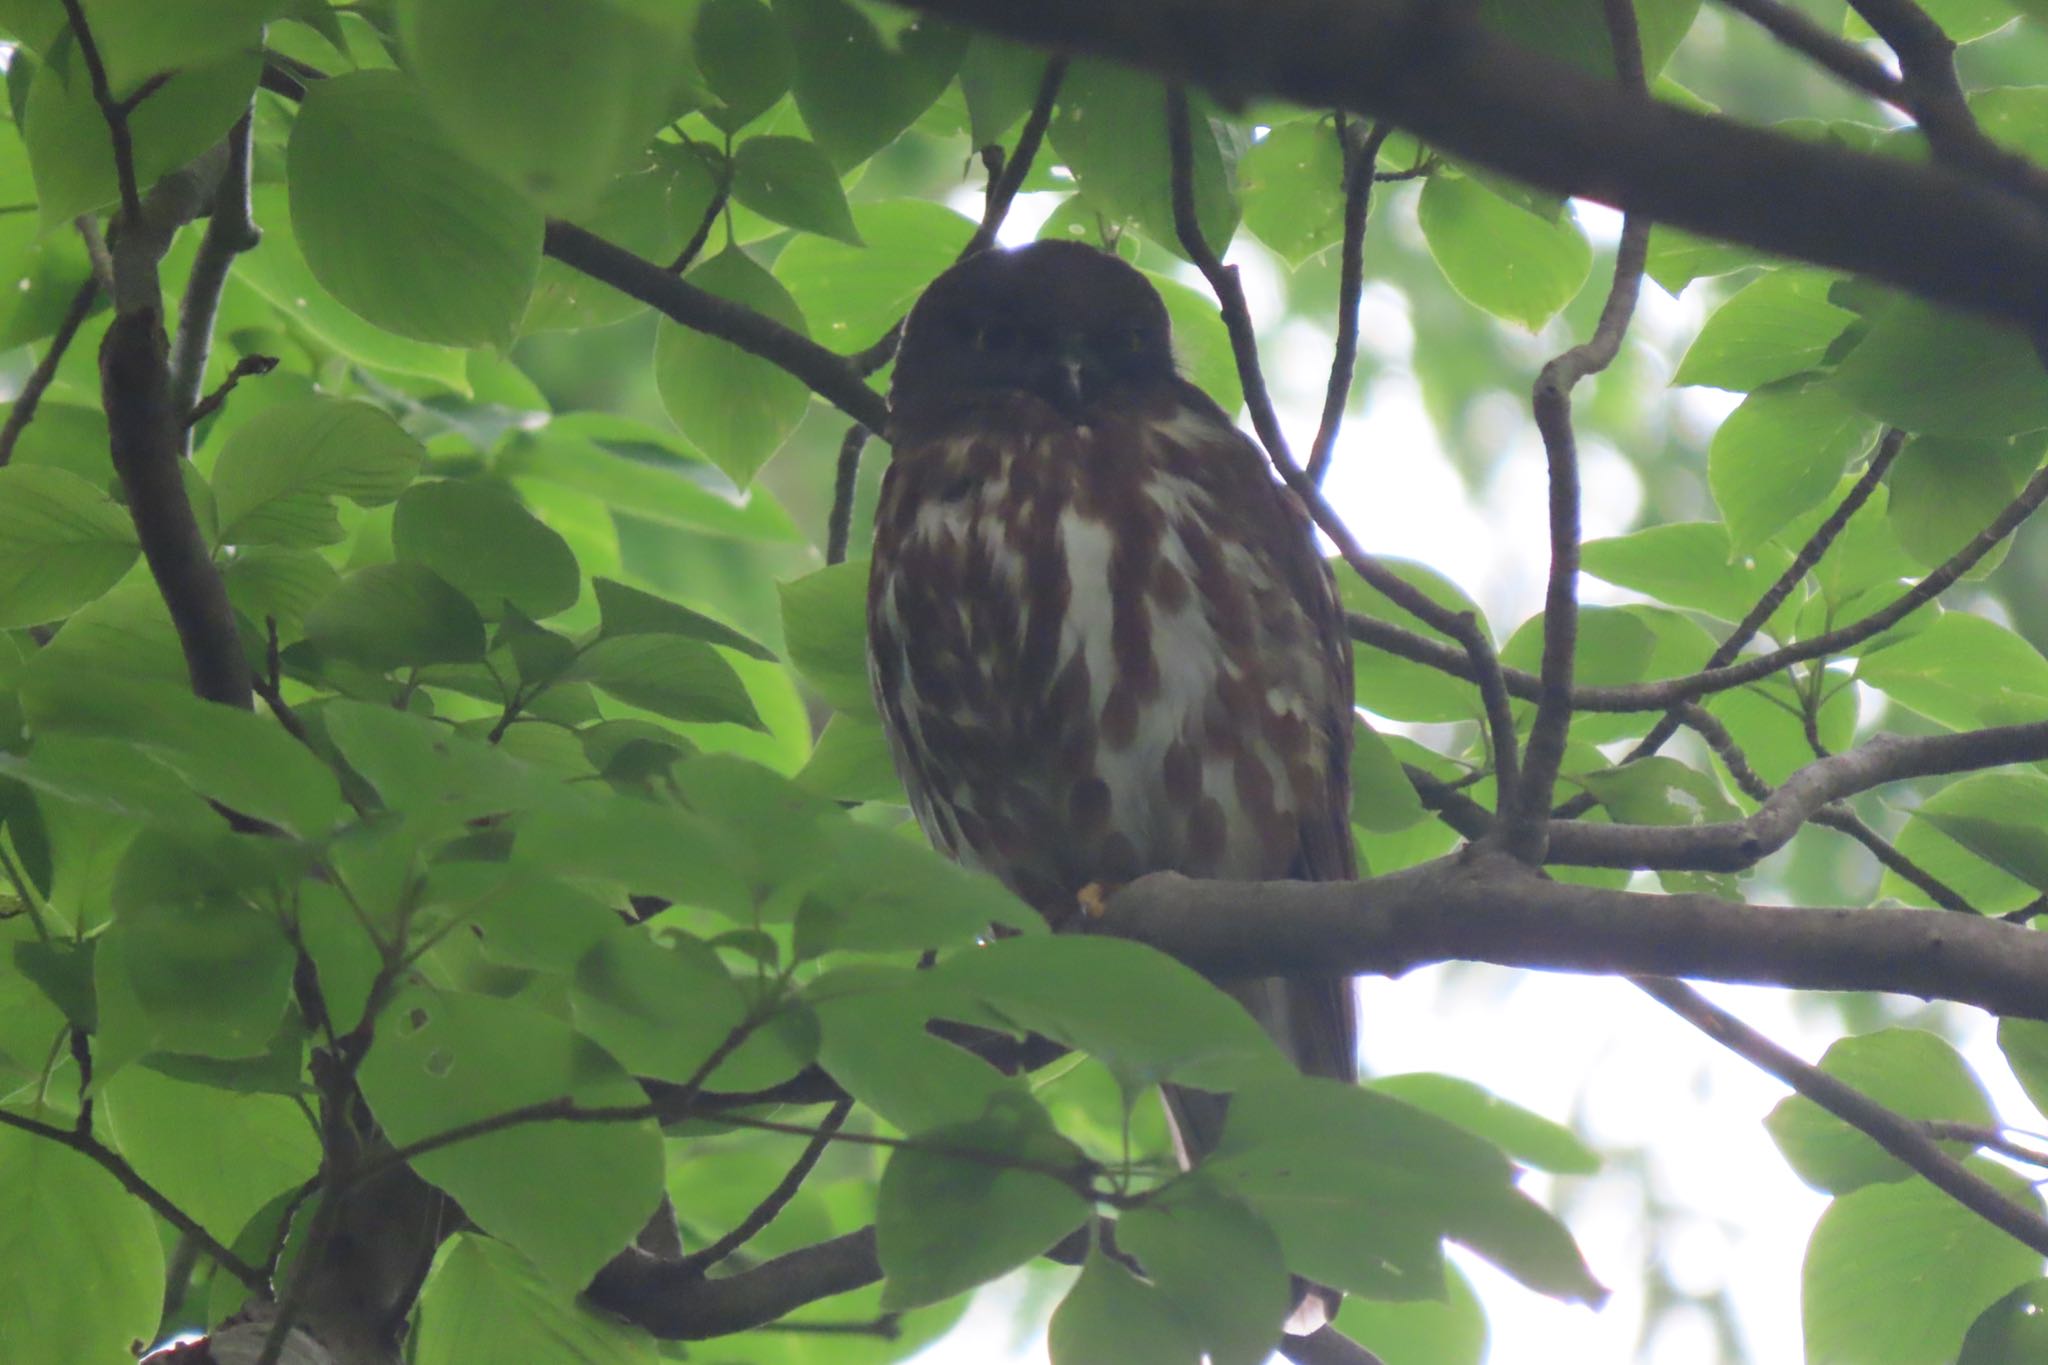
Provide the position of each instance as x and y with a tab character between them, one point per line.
1315	1023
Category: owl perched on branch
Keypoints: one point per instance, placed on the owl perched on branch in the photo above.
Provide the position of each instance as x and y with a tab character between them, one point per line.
1101	638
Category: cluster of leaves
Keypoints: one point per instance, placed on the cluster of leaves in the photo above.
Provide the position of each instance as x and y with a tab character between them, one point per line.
553	796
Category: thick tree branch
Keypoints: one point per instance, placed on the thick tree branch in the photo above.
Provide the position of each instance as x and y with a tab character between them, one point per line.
829	376
1436	71
1902	1137
1484	907
230	230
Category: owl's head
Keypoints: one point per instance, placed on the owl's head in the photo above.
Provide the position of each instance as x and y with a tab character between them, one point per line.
1062	321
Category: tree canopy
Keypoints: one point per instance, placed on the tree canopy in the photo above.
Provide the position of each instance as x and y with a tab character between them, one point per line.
456	899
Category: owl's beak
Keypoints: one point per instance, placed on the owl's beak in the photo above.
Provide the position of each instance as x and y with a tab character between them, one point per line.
1070	377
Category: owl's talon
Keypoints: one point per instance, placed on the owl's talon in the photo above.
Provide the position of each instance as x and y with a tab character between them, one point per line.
1094	899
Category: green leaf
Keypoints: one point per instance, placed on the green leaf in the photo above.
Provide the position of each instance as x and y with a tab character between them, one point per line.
1945	491
1983	884
276	271
244	761
70	1235
856	92
851	762
1145	1016
494	551
381	206
877	892
1677	258
1979	813
1110	130
1501	257
2025	1045
1397	688
1218	1268
2012	1331
139	38
1778	325
72	155
1201	343
1660	791
218	1155
671	675
441	1060
1292	185
663	1003
391	616
1960	20
629	611
635	846
47	270
746	59
1779	454
1527	1137
1111	1314
851	295
270	582
790	181
1916	1074
63	542
736	407
560	97
825	623
650	211
656	487
440	779
1896	1273
277	476
1962	671
1451	1331
946	1223
999	80
1687	564
1924	368
484	1301
874	1041
1382	797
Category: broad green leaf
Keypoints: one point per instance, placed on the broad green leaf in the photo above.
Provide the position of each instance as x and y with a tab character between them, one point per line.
1916	1074
1997	817
946	1223
1863	555
1382	797
439	779
1397	688
1660	791
874	1040
69	437
63	542
1217	1267
277	476
1945	491
1926	369
1896	1273
2016	115
140	38
125	631
1111	1314
560	97
662	1004
111	776
856	92
671	675
1780	454
218	1155
1110	130
1677	258
635	846
484	1301
72	155
650	211
70	1235
1500	257
1145	1016
2025	1045
1962	671
1615	645
629	611
381	206
244	761
1292	185
41	273
1766	719
270	582
519	919
745	57
999	80
1687	564
2012	1331
567	1194
1779	325
824	621
494	551
877	892
1450	1331
851	762
1983	884
1524	1135
655	487
395	616
736	407
1201	343
790	181
277	272
851	295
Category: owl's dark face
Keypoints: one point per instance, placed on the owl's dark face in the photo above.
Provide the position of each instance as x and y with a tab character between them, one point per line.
1059	320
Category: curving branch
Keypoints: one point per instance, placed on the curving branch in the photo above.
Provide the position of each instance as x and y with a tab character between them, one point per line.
31	396
230	231
1361	163
1438	72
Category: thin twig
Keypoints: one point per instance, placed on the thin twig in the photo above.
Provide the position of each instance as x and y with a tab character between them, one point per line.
24	410
248	367
1826	49
845	478
778	1198
695	246
1360	159
1844	821
1901	1137
114	1164
112	110
1002	188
